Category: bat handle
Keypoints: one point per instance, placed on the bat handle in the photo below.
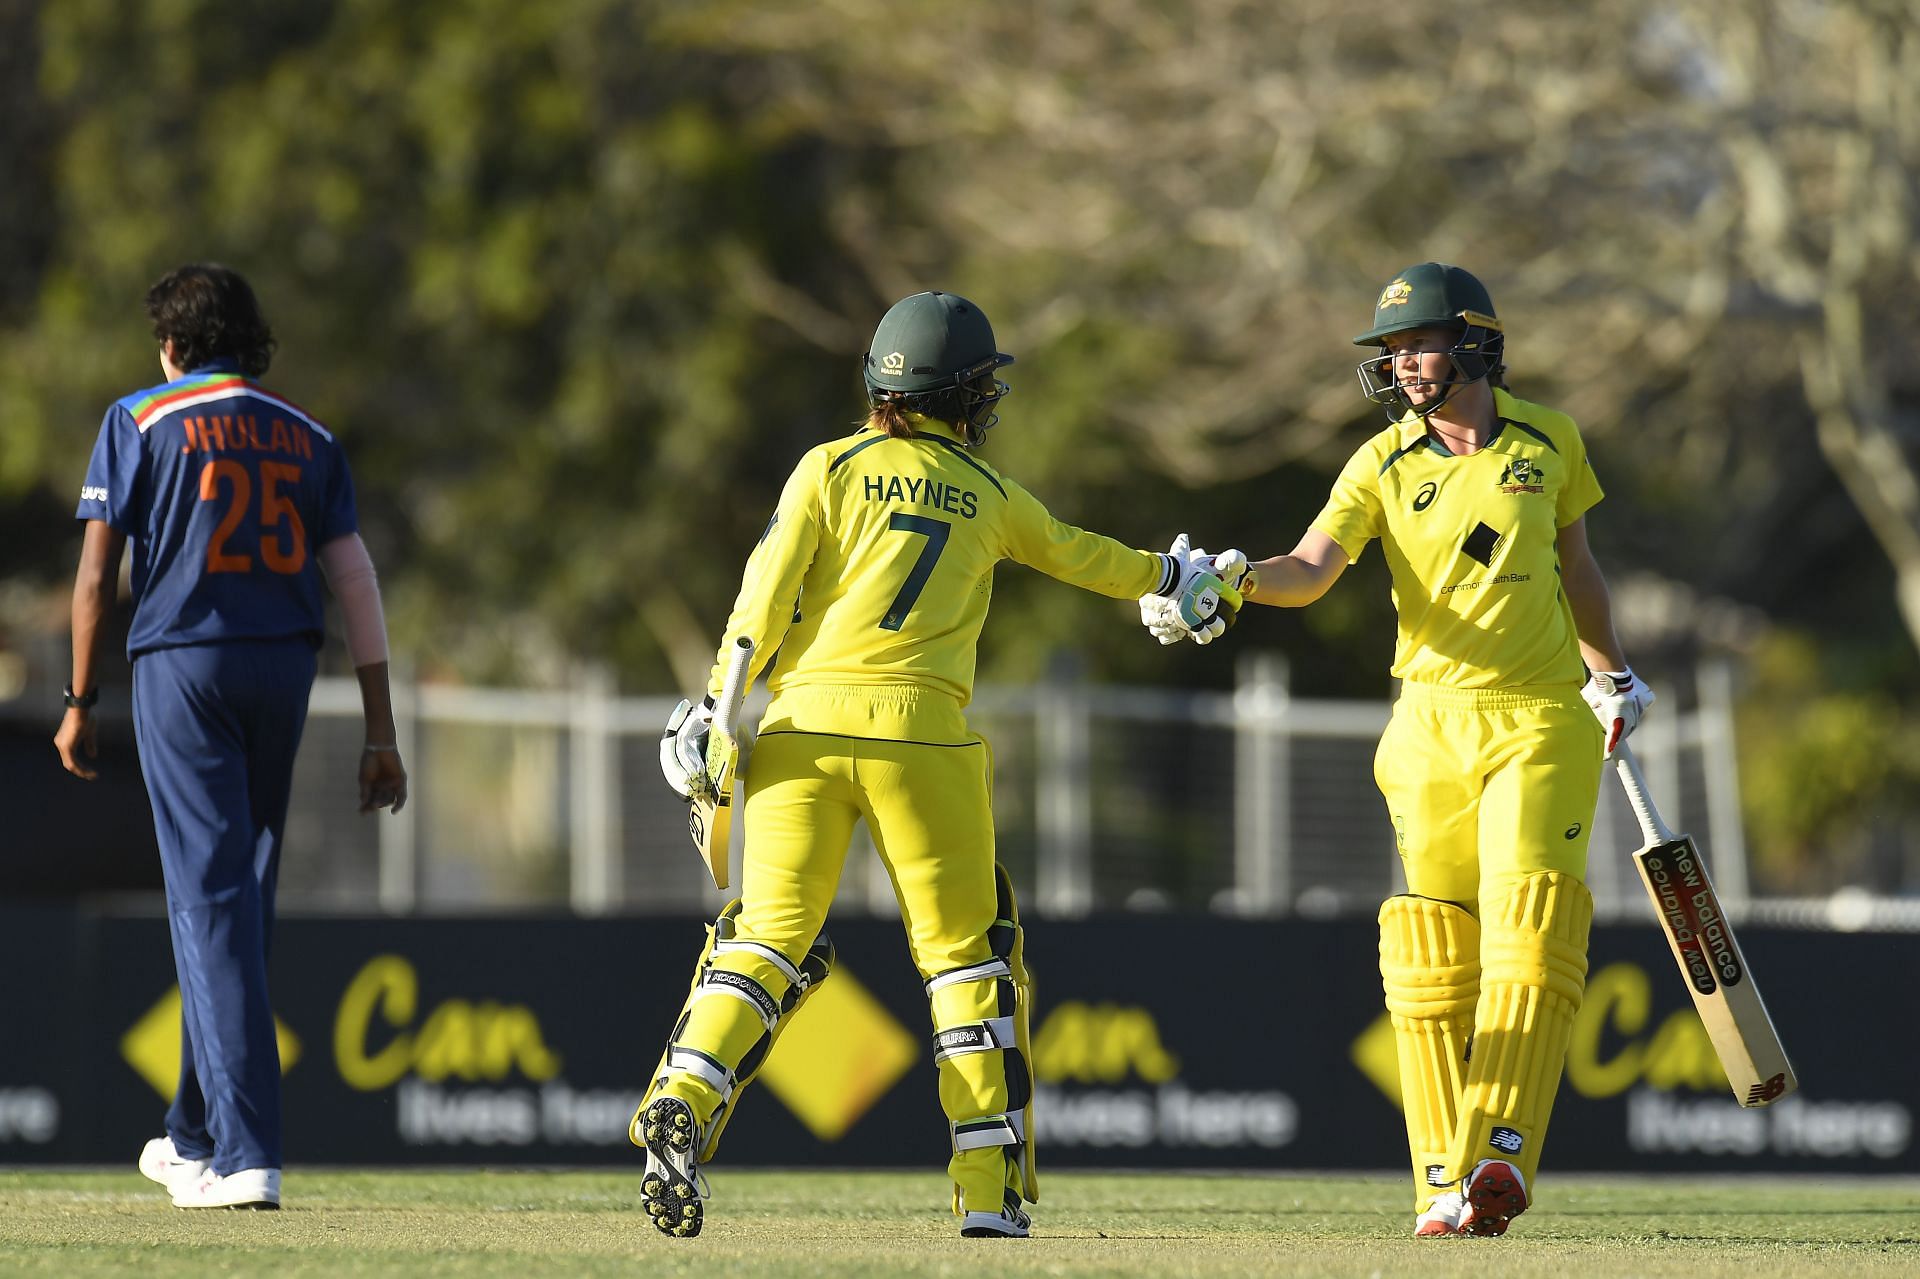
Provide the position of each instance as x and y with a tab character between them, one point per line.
1651	827
734	690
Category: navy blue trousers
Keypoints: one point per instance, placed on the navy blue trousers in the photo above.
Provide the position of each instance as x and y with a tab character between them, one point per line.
218	726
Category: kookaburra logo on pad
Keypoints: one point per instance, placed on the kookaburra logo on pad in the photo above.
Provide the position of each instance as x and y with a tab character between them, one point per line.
894	363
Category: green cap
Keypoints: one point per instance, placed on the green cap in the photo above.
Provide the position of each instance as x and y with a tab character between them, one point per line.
929	342
1431	293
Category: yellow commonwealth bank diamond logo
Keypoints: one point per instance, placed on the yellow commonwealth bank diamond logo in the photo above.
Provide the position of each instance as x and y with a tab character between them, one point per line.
1378	1058
838	1056
152	1044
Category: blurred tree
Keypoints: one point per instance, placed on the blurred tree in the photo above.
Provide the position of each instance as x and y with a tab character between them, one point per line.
492	238
1819	765
578	281
1824	175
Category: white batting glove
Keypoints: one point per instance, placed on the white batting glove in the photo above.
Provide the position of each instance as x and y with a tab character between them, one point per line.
1157	612
1619	701
683	746
1203	599
1232	569
1157	615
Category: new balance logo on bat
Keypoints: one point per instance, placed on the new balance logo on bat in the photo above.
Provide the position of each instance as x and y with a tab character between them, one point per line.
1692	915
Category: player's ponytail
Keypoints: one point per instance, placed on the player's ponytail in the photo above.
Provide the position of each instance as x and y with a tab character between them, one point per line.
890	417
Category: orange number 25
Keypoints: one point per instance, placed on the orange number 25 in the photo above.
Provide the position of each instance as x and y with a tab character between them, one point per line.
289	556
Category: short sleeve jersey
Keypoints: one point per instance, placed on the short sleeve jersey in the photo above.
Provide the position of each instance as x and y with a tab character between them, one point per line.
1472	545
877	567
226	492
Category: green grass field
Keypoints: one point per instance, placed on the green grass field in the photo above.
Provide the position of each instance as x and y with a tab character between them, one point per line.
527	1224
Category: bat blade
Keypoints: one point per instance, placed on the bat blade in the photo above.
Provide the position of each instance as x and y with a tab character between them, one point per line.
710	821
1717	976
710	818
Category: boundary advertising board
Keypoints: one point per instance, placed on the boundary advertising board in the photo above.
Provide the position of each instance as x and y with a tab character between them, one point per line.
1159	1041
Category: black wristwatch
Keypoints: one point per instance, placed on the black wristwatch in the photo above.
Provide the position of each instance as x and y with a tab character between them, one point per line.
83	701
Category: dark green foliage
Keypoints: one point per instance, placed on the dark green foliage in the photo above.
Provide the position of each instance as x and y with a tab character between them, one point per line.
578	281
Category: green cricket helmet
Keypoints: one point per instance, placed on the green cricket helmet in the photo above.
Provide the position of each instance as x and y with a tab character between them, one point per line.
1432	294
934	354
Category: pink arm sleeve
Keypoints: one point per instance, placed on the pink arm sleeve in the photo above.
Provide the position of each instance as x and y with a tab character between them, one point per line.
350	575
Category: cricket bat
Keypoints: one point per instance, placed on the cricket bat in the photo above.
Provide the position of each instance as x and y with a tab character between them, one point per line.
710	819
1703	945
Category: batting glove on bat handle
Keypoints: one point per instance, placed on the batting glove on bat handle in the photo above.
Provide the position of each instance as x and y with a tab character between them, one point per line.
1619	700
683	746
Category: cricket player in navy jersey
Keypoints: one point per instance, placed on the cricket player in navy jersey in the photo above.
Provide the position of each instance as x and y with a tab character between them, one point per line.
236	503
871	584
1491	763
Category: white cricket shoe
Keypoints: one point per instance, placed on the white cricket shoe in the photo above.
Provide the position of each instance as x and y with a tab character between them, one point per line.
1011	1222
1442	1216
1496	1194
248	1188
672	1188
160	1162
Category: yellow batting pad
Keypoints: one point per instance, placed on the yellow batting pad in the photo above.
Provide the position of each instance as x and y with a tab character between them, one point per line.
982	1011
1534	970
1430	969
744	994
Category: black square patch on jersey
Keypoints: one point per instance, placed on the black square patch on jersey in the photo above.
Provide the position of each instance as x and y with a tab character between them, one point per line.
1483	543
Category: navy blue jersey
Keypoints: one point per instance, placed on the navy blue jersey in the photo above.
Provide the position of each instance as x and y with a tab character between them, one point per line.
227	492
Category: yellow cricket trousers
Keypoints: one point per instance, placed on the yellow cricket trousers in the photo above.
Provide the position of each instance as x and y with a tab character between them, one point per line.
1487	786
929	810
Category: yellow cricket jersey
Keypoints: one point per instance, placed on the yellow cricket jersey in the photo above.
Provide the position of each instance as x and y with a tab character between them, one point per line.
873	578
1472	545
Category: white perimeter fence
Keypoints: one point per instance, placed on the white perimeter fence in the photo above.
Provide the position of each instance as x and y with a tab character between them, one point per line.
1249	802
